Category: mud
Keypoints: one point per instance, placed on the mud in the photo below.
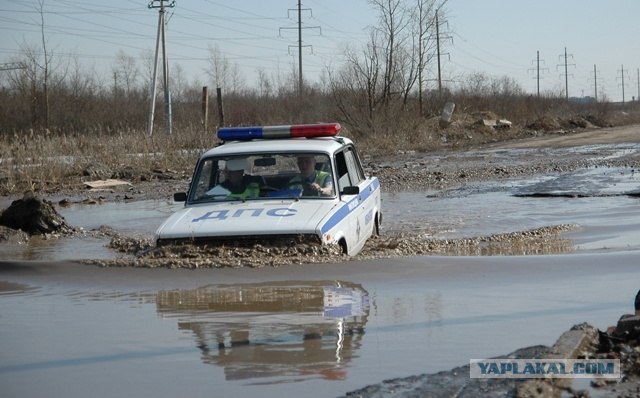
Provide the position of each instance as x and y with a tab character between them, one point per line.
621	342
456	383
143	252
34	216
12	236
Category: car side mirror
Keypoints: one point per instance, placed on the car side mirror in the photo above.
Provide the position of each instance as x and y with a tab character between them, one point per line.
180	197
350	190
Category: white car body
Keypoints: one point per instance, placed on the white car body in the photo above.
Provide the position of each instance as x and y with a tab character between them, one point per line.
348	217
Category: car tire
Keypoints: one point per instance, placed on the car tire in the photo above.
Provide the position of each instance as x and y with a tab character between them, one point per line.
343	246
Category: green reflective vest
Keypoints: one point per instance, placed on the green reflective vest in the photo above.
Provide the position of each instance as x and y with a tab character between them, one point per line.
251	191
320	178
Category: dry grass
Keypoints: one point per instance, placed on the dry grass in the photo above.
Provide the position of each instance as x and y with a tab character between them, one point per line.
49	162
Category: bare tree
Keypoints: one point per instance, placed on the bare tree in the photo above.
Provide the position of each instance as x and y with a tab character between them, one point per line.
265	84
381	78
393	24
45	65
423	21
178	80
27	81
237	79
406	67
148	62
125	72
358	88
81	86
219	68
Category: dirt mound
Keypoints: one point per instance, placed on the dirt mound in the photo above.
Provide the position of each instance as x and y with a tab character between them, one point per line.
545	123
489	115
34	216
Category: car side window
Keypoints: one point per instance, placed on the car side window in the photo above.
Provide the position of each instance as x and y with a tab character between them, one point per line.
206	178
342	171
356	175
348	168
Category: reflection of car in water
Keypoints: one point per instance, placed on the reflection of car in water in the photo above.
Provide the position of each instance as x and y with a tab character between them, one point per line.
278	329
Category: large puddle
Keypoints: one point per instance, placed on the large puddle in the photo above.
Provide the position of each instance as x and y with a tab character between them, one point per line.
603	203
316	330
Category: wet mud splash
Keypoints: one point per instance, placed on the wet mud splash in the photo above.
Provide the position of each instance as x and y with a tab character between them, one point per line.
141	252
544	240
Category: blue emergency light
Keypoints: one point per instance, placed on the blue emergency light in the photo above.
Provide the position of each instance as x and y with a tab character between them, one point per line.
287	131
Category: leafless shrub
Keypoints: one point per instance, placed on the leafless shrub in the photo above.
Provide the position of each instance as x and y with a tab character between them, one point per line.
60	123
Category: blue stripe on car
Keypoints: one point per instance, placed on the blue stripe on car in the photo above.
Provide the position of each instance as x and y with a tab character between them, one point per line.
350	206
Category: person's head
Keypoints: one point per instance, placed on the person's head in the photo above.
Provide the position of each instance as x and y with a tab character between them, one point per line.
234	170
307	164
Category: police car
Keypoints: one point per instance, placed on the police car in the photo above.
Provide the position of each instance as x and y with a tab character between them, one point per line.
298	182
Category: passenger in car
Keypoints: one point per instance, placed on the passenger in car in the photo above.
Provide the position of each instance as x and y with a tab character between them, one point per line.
312	182
236	184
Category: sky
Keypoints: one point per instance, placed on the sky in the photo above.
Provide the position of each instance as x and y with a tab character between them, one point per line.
494	37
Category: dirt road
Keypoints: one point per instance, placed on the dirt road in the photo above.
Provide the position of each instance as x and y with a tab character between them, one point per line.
611	135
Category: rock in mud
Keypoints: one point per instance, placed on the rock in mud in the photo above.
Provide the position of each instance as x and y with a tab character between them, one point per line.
34	216
14	236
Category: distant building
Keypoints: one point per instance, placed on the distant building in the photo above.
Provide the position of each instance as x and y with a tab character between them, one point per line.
582	100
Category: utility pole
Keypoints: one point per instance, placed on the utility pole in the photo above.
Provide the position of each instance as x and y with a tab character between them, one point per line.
299	27
566	72
160	4
538	70
622	71
595	82
638	80
300	47
438	49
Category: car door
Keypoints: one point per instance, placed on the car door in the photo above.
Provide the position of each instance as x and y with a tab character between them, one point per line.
350	175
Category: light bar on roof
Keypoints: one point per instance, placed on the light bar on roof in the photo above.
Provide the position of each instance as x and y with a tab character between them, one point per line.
288	131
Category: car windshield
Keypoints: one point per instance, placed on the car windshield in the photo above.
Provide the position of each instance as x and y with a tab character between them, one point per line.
272	175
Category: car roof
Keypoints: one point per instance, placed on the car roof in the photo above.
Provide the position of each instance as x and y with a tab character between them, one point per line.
327	145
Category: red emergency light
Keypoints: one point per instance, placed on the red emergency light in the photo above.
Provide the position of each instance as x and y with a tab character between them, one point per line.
287	131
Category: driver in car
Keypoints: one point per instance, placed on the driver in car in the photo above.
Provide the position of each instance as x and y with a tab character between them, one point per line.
312	182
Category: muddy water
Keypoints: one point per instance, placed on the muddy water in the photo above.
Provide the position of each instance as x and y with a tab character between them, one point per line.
322	329
602	203
318	330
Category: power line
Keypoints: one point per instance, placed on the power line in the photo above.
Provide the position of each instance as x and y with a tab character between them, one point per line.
506	63
12	66
119	31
